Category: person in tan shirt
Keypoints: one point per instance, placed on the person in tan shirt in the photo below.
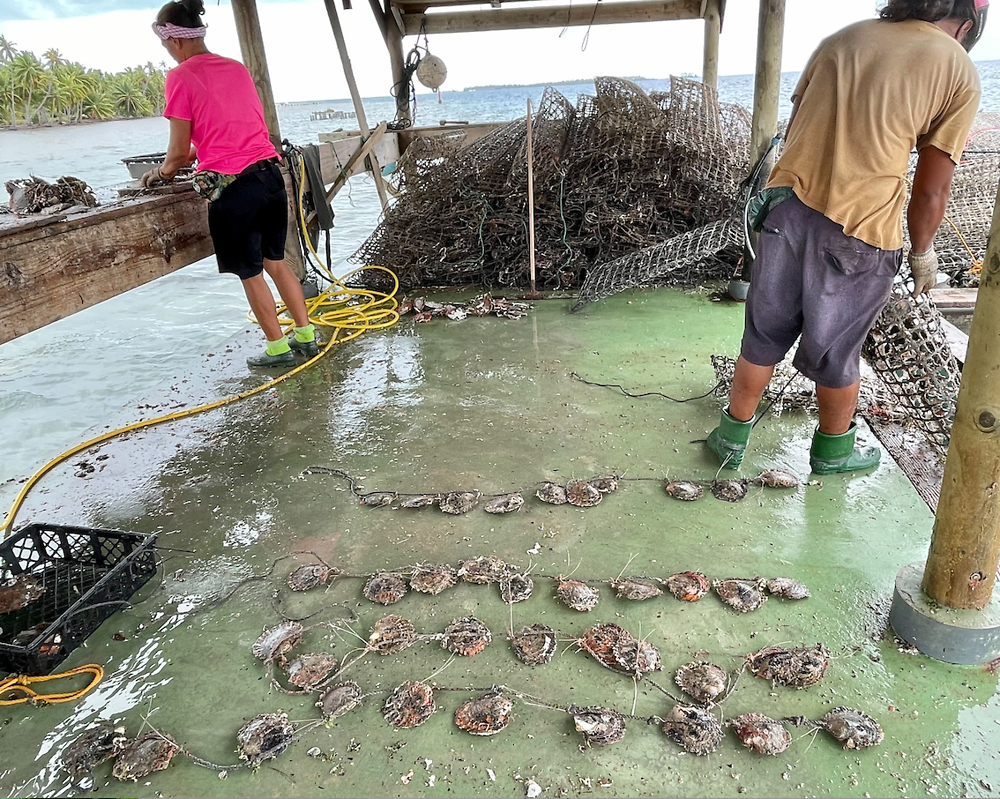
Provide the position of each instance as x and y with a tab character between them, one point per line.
831	217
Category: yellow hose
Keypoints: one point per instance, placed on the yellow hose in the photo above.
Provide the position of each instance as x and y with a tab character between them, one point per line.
21	684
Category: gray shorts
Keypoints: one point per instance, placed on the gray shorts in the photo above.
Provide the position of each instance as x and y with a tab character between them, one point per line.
811	279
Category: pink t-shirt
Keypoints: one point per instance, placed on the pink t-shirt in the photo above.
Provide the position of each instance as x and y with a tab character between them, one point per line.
218	96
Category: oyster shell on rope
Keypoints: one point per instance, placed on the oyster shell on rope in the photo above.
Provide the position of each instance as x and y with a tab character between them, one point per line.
683	490
599	726
505	503
553	493
311	575
578	595
264	737
615	648
795	668
410	705
94	747
775	478
308	671
432	579
761	733
141	757
466	636
486	714
458	502
606	484
515	587
787	588
583	494
704	682
385	588
635	589
694	729
274	643
482	570
535	645
339	699
391	634
854	729
732	490
420	501
636	657
740	593
688	586
378	499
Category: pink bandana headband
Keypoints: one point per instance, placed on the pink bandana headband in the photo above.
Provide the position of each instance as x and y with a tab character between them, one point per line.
171	31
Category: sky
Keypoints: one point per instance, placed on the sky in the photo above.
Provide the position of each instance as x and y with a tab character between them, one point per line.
304	64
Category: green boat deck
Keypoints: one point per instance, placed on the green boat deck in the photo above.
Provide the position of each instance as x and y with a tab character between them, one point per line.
492	405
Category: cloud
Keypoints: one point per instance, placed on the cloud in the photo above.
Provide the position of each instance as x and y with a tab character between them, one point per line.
11	10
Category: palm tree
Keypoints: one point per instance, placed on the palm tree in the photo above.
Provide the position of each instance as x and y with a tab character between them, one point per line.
28	75
53	58
7	53
128	96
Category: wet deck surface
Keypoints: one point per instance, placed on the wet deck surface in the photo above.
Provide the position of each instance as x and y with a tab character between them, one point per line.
491	405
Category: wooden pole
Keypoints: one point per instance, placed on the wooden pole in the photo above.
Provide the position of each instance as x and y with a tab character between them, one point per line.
713	27
252	47
767	83
531	207
394	43
359	108
965	544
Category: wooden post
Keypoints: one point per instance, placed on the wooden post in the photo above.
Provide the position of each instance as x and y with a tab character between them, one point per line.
359	108
394	42
965	544
252	47
531	207
713	27
767	83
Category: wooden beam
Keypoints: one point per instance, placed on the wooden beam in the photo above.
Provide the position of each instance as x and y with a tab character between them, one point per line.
713	27
767	83
49	271
607	12
352	165
252	47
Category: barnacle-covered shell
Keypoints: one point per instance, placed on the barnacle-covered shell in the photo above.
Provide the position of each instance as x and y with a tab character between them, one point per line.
740	593
385	588
308	671
578	595
684	490
275	642
636	657
606	484
264	737
459	502
553	493
601	640
775	478
796	668
339	699
378	499
466	636
534	645
92	748
141	757
761	733
420	501
854	729
486	714
432	579
311	575
703	681
732	490
515	587
787	588
582	494
688	586
482	570
410	705
694	729
600	726
505	503
635	588
391	634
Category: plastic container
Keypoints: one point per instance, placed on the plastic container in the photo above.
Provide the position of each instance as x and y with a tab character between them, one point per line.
138	165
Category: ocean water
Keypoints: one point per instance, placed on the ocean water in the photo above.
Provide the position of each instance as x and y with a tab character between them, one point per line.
58	382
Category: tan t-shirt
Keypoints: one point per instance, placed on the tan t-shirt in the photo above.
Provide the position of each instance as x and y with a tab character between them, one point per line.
869	95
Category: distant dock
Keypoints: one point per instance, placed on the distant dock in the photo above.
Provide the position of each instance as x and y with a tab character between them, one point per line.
331	113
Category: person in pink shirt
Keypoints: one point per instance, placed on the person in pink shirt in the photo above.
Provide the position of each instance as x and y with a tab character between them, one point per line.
217	119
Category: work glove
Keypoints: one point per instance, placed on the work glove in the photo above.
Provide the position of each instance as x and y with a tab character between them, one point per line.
923	269
153	177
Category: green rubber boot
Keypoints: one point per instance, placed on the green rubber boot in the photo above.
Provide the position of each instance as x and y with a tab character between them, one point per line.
833	454
729	440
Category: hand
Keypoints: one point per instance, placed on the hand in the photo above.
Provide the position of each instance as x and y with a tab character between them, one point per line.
152	177
923	269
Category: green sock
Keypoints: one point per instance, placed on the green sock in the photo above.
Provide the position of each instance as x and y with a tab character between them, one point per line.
277	347
305	334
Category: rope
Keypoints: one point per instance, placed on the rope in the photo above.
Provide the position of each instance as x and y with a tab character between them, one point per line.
22	683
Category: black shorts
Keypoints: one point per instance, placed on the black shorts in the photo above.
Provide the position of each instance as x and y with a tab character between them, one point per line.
249	221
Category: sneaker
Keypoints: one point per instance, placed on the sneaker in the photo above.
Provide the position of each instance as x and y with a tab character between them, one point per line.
308	348
265	360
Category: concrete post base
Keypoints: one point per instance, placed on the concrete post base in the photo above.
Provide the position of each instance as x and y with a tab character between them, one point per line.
738	290
955	636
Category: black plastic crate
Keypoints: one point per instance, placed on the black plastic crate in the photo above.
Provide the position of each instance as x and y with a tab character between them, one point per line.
87	574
